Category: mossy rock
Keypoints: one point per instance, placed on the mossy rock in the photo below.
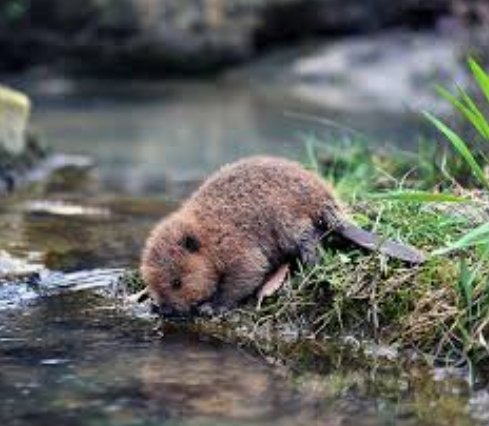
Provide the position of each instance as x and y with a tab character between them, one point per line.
14	115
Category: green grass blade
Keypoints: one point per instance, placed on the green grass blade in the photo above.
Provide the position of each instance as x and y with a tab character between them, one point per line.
481	120
478	236
419	196
465	97
481	76
461	147
468	109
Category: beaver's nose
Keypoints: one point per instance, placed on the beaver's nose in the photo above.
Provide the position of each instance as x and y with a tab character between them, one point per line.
160	309
166	311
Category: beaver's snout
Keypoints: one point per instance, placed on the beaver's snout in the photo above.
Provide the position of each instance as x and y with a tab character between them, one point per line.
168	312
163	310
201	310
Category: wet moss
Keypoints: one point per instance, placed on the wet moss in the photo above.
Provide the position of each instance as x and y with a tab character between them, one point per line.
132	281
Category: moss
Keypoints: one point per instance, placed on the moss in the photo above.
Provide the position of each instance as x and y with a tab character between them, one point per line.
131	281
14	99
14	115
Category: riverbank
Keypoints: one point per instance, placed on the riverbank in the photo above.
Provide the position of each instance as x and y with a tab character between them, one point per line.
69	327
436	200
435	312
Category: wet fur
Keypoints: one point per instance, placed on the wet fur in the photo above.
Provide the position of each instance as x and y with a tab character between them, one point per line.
240	226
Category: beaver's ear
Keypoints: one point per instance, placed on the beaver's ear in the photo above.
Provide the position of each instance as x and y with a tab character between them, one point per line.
190	243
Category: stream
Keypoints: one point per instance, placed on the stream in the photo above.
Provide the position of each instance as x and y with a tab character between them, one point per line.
82	358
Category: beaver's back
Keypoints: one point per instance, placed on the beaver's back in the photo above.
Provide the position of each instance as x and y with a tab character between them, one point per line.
259	194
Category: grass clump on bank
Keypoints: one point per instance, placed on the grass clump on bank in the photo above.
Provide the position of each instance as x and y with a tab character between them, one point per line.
365	296
440	308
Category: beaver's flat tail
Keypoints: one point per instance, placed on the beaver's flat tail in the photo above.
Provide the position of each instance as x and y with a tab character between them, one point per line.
371	241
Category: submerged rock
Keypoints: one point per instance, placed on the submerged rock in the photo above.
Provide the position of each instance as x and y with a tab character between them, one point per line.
22	158
63	208
19	151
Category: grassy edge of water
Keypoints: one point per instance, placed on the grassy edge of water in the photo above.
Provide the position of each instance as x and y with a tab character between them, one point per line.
439	310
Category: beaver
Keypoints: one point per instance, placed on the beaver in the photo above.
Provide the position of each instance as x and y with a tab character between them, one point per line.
237	234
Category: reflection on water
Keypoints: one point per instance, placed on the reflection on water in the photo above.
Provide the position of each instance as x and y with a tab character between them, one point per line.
70	242
72	360
145	136
77	360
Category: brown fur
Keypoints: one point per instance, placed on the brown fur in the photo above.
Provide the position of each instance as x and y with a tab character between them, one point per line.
240	226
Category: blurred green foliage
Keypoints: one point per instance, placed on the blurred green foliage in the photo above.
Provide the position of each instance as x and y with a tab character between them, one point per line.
13	10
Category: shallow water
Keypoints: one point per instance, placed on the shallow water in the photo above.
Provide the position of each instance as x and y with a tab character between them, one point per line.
77	359
83	358
147	137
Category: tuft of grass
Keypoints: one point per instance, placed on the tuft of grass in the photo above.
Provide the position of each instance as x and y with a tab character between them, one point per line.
366	296
465	149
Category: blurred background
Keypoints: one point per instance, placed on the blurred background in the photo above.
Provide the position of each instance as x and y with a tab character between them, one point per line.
163	91
159	93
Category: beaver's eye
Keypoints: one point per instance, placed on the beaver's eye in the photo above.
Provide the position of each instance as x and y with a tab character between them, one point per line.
176	284
191	243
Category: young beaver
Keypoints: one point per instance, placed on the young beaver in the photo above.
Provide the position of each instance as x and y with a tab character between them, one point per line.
234	235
